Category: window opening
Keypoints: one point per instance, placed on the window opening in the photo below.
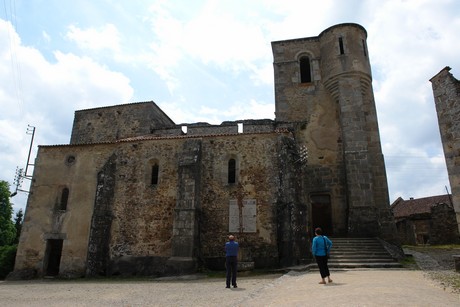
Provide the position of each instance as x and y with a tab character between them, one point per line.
240	127
231	171
64	199
364	47
155	171
341	45
305	72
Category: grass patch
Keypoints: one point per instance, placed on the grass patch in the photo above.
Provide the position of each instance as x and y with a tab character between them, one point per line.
434	247
409	262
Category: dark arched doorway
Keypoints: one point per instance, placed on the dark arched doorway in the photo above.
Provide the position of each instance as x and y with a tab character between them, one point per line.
321	213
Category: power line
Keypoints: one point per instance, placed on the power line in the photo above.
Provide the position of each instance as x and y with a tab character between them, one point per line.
10	15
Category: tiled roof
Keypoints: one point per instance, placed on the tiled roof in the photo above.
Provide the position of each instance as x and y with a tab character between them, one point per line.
170	137
403	208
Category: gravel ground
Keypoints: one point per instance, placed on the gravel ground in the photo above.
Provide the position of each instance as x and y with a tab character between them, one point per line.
437	264
430	286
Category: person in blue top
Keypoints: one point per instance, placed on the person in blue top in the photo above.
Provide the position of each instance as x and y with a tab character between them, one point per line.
320	249
231	260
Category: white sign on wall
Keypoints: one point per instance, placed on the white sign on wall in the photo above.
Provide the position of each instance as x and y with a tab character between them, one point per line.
244	220
233	216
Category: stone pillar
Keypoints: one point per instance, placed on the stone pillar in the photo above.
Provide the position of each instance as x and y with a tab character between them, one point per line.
98	246
446	91
368	202
185	241
362	214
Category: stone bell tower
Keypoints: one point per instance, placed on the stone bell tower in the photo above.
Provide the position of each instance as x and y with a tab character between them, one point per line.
323	85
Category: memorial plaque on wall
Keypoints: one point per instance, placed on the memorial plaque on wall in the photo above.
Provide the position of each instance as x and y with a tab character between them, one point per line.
249	215
233	216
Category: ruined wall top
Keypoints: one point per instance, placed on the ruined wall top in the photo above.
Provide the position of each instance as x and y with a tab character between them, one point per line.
112	123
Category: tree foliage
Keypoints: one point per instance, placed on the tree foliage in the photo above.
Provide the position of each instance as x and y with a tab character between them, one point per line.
7	227
7	258
18	225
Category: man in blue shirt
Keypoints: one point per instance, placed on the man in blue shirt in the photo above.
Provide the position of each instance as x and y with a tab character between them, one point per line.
231	260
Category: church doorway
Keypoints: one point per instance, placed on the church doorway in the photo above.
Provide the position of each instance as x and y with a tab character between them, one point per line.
321	213
53	256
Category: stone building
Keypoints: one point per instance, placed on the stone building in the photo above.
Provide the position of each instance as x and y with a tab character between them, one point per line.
427	220
446	92
135	193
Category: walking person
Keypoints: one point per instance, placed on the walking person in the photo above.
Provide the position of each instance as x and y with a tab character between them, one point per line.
320	249
231	260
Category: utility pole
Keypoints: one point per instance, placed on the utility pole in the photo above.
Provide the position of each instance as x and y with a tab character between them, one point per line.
20	172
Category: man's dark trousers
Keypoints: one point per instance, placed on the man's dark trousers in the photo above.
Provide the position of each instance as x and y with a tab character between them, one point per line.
231	264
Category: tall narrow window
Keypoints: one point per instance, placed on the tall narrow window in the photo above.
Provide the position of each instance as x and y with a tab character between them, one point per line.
364	47
231	171
64	199
155	170
342	51
305	71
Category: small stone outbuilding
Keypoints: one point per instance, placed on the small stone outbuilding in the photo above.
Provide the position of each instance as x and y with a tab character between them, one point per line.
427	220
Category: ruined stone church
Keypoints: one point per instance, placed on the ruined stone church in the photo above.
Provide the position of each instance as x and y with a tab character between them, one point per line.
133	193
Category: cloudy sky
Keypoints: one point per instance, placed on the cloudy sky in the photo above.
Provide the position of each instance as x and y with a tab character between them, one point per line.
211	61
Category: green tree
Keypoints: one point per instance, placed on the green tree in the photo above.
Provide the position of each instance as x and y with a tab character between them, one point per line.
7	229
7	258
18	225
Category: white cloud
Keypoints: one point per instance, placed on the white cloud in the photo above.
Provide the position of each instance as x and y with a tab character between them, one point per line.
46	36
215	59
240	110
46	97
105	37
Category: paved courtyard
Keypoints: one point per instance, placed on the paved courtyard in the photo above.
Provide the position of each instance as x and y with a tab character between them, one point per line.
350	288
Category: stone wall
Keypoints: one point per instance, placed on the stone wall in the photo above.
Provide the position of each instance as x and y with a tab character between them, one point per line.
443	225
134	227
336	120
108	124
446	91
151	197
439	226
56	168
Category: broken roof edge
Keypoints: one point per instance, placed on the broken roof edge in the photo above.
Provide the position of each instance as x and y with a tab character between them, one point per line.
150	138
151	102
118	105
345	24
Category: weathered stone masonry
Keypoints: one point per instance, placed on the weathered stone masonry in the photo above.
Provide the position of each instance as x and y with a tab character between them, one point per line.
446	91
147	198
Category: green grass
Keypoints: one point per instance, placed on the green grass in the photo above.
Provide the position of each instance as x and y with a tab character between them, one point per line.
433	247
409	262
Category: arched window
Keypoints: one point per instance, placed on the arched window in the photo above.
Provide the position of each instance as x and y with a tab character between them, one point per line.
231	171
305	71
64	199
342	50
364	47
155	171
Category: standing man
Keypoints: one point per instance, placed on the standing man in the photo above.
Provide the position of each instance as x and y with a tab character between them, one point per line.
231	260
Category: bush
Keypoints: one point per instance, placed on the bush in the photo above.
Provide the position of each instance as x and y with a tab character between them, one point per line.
7	257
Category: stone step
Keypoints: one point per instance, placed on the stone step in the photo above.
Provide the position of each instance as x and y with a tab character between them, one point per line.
365	265
360	255
348	260
349	253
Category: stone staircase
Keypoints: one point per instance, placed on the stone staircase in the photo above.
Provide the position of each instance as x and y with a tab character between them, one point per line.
355	253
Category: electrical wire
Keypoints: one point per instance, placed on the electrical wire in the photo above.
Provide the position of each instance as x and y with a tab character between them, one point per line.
10	16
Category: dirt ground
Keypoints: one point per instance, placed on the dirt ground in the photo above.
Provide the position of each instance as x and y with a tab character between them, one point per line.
437	263
428	279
